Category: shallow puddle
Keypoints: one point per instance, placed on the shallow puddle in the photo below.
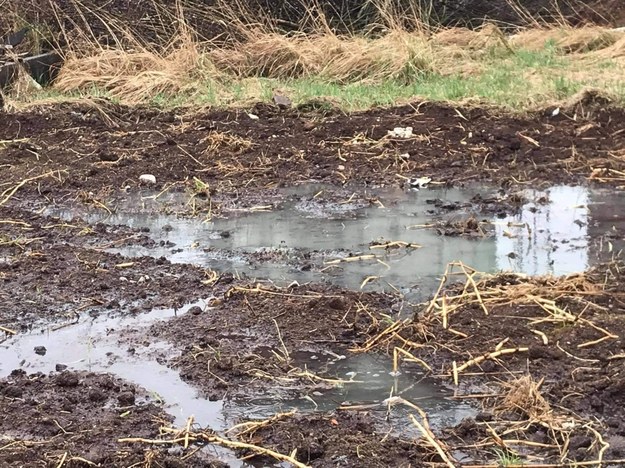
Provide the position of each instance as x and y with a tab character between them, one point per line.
101	344
373	381
117	345
558	231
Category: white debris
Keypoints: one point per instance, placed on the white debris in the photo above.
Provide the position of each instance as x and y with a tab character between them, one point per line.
404	156
341	167
401	132
419	182
555	112
392	400
147	179
253	116
394	373
351	375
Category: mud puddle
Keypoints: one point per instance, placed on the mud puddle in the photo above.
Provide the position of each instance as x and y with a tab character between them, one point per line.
373	381
106	344
118	345
562	230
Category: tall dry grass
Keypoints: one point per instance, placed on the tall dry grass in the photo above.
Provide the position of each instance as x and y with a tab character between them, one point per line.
398	47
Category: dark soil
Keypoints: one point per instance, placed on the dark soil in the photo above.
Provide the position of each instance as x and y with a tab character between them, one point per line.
229	348
112	146
338	439
578	376
75	419
53	270
258	341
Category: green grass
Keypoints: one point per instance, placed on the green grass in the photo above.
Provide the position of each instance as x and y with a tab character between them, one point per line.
525	79
505	458
517	81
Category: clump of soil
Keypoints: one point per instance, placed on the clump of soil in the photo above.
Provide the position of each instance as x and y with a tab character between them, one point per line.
341	438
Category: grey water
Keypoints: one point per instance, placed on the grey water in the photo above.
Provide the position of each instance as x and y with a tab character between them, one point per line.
556	232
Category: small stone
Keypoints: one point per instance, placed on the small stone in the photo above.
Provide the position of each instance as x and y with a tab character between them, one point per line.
41	350
341	167
147	179
282	102
195	310
60	367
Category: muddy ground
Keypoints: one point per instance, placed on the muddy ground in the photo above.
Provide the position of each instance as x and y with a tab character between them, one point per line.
253	339
91	153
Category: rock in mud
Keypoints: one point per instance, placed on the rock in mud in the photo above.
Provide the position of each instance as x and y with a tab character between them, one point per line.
41	350
67	379
126	398
147	179
60	367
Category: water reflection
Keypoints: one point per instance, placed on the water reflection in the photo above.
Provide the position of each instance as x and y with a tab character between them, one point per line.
551	235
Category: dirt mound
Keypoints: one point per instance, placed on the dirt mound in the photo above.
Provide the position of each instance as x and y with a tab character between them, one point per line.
75	419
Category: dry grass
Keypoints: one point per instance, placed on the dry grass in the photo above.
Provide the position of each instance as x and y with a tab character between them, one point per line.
523	395
568	40
137	75
399	51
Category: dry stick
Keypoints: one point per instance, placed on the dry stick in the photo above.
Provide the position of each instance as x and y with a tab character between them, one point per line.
492	355
432	441
604	444
258	289
550	465
249	426
438	291
8	193
425	429
285	351
8	330
372	341
62	460
472	281
407	357
213	439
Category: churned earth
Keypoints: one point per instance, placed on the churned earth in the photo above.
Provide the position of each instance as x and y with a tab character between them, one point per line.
252	278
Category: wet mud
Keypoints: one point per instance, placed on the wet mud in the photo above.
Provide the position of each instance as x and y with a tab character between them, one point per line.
239	288
226	159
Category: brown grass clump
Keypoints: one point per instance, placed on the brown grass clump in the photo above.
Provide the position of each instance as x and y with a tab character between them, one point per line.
396	54
568	40
615	51
136	75
259	48
524	395
225	141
